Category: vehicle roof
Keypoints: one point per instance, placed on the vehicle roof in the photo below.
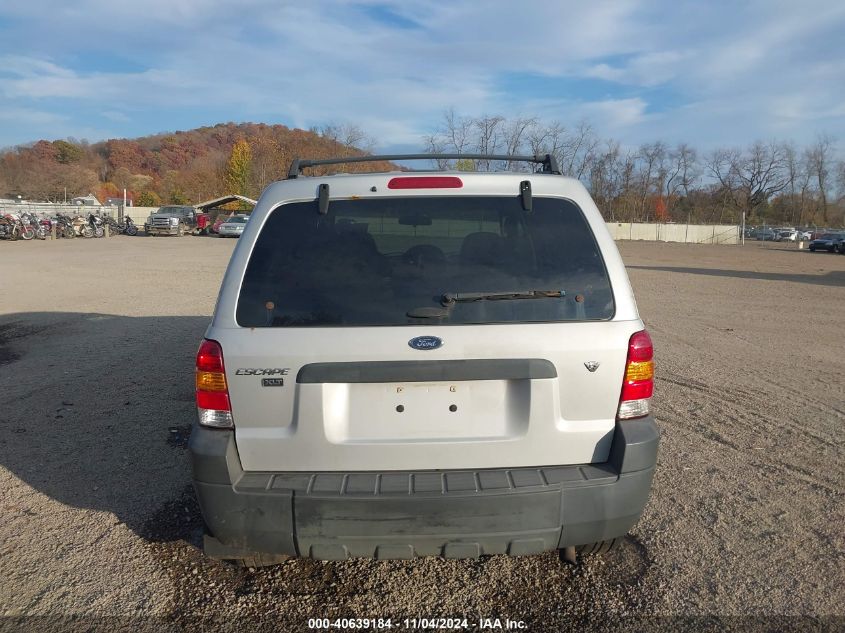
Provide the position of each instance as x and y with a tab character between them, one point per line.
474	183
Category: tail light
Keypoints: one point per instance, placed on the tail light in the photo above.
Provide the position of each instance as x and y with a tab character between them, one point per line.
638	384
213	405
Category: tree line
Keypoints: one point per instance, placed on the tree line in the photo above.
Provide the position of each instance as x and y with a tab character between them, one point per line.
185	167
772	182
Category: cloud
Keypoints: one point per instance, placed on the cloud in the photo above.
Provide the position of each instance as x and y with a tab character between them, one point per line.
702	72
114	115
618	113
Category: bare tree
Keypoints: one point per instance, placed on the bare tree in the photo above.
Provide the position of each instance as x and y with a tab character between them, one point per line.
458	131
546	139
761	173
765	179
819	160
752	177
456	135
627	170
436	144
652	173
514	133
350	136
681	174
604	178
577	150
489	130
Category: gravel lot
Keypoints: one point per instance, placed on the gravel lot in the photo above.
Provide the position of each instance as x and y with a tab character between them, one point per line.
97	343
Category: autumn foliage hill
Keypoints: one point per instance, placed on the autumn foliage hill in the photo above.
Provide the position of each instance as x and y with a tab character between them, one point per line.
179	167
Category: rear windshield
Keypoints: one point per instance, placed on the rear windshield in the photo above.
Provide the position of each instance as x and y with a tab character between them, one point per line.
393	261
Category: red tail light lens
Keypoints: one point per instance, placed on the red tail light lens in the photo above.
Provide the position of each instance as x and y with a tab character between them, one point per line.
638	384
210	357
213	406
425	182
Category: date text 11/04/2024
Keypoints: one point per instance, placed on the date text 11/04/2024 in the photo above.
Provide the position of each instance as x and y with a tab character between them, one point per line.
482	624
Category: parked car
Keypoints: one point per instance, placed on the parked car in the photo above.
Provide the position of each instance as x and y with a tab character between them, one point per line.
786	235
220	219
175	220
830	242
223	217
423	364
233	227
766	235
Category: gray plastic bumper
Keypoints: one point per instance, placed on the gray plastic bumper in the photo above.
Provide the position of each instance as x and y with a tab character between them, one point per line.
456	514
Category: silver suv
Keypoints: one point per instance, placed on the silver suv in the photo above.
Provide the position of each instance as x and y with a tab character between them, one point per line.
423	364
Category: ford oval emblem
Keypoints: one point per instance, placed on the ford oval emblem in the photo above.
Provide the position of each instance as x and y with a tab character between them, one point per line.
425	342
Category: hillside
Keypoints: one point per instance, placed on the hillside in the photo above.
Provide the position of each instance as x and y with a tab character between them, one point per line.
178	167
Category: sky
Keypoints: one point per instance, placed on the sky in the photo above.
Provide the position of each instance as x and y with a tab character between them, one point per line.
712	74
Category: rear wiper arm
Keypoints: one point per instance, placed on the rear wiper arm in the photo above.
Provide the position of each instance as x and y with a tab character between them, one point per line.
451	298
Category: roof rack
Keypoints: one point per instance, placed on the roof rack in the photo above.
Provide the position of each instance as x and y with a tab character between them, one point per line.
548	161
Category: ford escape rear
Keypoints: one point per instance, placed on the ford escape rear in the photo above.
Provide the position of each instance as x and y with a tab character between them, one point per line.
424	363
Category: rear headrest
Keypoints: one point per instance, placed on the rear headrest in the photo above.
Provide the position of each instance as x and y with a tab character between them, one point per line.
481	248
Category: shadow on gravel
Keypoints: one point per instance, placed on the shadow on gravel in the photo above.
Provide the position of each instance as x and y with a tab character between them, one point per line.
96	408
832	278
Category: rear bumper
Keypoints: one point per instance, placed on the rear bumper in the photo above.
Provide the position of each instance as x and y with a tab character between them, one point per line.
456	514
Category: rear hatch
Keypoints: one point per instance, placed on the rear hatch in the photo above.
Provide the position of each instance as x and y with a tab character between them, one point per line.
424	332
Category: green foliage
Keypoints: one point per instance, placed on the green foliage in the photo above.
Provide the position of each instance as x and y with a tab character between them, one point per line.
238	168
67	152
148	199
177	196
465	164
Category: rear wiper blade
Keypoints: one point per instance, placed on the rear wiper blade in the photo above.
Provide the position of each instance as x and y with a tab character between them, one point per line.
451	298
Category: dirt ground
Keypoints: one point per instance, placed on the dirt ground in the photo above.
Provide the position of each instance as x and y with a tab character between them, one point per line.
97	520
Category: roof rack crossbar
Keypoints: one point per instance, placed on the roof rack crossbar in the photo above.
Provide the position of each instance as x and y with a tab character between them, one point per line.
548	161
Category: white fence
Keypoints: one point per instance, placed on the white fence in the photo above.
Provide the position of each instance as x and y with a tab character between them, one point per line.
687	233
654	232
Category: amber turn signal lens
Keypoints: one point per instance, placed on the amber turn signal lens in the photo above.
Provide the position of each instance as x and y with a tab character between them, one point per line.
211	381
637	371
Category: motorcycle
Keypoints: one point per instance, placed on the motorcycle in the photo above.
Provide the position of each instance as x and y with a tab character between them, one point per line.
30	220
78	223
124	226
113	226
128	226
64	226
6	226
12	227
94	227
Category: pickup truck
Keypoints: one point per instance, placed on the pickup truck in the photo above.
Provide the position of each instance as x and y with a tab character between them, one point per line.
176	220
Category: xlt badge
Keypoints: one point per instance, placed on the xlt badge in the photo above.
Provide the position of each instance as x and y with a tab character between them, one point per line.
272	382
